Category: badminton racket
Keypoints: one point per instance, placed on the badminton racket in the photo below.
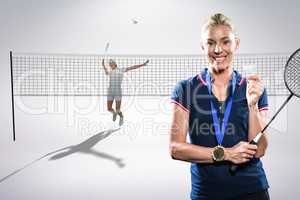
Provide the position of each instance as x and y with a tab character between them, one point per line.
105	54
106	48
292	83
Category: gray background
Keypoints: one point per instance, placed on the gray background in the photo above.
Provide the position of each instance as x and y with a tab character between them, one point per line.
165	27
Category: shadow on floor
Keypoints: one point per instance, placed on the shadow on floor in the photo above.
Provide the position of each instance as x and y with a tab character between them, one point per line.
84	147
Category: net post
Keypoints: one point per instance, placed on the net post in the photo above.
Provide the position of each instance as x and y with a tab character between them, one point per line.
12	95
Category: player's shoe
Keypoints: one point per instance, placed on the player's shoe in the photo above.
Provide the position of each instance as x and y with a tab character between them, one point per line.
114	116
121	121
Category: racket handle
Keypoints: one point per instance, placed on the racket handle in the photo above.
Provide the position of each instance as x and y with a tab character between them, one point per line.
233	167
253	142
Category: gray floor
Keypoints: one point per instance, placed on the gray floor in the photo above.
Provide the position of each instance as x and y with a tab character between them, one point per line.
127	163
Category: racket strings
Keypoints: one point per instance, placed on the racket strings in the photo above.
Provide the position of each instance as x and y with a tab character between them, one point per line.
292	74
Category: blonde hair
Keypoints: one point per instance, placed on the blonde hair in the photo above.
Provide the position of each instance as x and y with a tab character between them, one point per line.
218	19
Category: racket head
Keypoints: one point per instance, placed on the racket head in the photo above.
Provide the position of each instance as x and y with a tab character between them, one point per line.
106	47
292	73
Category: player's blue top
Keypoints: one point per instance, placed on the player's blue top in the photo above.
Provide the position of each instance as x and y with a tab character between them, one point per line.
213	181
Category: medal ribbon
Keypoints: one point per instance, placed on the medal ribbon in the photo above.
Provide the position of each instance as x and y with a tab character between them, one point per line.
220	131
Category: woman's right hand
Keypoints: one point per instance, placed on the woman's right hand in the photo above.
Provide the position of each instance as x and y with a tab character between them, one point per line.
240	153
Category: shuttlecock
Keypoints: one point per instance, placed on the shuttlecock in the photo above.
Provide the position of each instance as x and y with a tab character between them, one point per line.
134	21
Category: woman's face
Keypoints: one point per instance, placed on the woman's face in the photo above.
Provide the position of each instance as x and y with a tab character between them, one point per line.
219	44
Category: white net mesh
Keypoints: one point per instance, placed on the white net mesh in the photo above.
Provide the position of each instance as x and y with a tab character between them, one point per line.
83	75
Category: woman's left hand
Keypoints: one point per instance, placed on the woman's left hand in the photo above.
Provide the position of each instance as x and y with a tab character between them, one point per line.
255	89
145	63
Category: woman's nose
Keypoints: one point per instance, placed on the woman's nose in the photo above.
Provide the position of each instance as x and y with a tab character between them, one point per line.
218	49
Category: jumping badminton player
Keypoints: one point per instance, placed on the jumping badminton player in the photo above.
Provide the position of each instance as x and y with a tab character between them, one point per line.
221	111
114	90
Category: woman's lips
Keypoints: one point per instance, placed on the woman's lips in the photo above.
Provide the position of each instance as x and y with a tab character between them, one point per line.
219	59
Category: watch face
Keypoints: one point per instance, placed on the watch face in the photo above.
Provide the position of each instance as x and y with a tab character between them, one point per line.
219	153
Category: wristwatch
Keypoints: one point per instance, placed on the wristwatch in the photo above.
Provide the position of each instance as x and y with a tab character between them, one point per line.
218	153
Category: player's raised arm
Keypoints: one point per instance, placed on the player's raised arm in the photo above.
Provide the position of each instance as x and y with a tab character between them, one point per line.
103	65
136	66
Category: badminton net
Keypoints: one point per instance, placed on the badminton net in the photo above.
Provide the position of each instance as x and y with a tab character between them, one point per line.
83	75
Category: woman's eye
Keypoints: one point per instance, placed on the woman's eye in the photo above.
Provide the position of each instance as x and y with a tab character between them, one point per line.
210	43
226	42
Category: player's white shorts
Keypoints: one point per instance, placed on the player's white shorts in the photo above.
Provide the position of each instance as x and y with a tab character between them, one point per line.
114	94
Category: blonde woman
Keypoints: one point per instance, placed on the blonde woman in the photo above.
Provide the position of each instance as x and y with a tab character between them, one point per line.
221	112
